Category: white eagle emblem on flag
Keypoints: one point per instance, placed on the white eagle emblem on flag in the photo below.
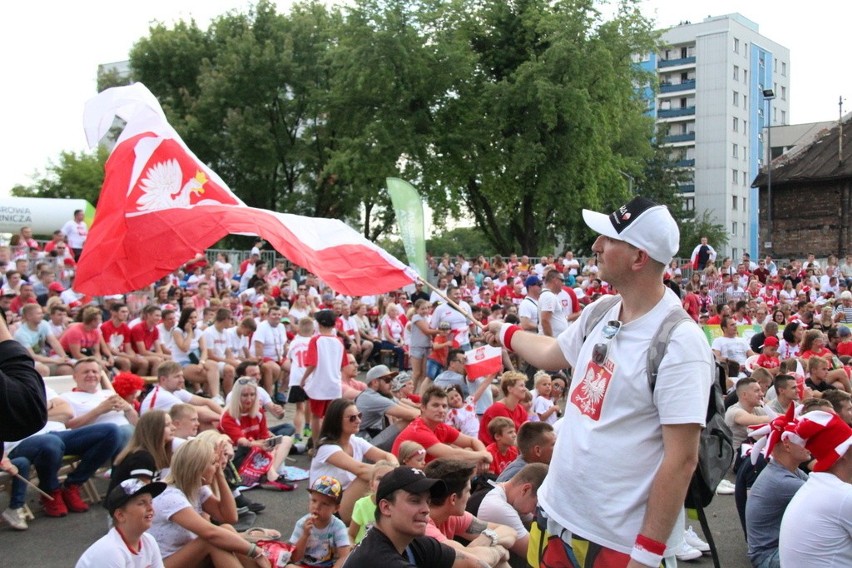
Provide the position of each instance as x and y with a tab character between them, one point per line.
163	187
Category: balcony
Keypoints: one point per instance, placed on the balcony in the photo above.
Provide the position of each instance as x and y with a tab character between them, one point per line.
676	112
685	163
676	62
688	137
675	87
686	188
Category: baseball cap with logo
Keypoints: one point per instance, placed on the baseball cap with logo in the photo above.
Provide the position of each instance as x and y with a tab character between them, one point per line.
642	223
130	488
411	480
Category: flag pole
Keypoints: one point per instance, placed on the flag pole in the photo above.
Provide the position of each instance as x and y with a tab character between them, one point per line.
33	485
451	303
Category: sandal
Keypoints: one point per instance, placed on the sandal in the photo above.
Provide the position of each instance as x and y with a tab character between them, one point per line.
255	534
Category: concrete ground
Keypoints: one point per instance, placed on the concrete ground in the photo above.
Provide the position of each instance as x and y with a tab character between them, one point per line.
51	542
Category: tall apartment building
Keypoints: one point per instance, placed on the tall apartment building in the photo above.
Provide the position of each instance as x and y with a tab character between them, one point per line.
713	76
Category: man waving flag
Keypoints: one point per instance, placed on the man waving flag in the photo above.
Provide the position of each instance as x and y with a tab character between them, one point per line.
160	206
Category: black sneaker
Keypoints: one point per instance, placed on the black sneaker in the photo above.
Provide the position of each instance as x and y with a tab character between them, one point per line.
255	507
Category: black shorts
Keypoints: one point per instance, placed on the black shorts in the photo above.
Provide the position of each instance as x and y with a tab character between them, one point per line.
297	394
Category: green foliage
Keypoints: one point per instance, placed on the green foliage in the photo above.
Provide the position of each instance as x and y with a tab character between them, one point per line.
75	176
468	241
111	78
691	231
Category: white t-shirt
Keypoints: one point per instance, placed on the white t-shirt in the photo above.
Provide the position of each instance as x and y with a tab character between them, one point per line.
529	309
161	399
296	355
274	340
319	465
540	405
170	535
166	338
110	552
327	353
816	531
84	402
556	305
76	233
611	413
217	342
733	348
496	509
238	344
458	323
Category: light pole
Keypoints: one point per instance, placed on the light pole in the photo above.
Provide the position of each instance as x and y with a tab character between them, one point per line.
768	95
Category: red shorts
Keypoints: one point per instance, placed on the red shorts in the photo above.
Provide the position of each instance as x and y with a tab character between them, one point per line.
318	407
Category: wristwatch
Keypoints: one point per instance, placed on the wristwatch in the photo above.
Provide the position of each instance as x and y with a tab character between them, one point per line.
492	535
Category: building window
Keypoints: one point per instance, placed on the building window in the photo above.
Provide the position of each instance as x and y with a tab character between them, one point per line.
689	204
735	150
736	73
744	230
783	69
745	153
744	201
736	45
783	93
745	50
734	253
775	66
745	126
736	99
734	231
736	125
745	184
683	53
745	76
783	117
745	102
734	197
735	178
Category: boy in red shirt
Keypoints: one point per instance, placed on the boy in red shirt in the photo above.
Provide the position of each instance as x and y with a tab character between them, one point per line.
768	359
503	450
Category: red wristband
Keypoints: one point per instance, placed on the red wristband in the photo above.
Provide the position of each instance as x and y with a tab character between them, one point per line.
652	546
506	335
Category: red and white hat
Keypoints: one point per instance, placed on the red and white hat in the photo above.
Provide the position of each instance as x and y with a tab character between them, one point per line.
827	437
782	427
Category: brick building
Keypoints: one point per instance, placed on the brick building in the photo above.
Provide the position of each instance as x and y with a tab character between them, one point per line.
811	197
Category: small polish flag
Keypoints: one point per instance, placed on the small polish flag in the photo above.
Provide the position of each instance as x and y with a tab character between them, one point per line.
482	361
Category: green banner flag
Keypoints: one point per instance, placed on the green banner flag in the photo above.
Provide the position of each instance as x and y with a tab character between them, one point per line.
409	219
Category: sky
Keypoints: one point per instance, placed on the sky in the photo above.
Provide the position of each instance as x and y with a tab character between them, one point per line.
51	50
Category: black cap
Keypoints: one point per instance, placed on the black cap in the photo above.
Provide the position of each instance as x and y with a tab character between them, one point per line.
411	480
325	318
130	488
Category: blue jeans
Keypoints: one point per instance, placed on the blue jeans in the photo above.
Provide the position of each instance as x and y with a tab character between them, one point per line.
397	350
94	444
771	561
433	368
19	488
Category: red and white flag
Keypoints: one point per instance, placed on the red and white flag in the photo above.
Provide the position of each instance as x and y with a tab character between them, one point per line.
483	361
160	206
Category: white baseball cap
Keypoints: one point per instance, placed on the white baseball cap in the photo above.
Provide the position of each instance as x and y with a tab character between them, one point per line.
642	223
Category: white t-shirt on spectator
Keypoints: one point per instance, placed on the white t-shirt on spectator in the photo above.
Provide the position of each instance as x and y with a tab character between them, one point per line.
496	509
733	348
296	354
161	399
217	342
84	402
320	466
274	340
553	303
110	552
170	535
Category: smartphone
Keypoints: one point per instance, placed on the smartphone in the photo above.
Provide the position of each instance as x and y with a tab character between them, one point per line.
274	441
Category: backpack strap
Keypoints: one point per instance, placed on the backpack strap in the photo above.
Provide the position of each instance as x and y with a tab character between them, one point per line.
597	312
660	342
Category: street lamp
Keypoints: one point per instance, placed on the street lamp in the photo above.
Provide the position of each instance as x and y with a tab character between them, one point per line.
768	95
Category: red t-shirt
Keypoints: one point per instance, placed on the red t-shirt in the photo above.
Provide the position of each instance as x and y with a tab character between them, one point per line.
768	362
121	333
148	337
419	432
77	334
249	427
518	416
500	461
844	348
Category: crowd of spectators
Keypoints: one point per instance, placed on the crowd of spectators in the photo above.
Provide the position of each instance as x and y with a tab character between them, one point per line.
217	347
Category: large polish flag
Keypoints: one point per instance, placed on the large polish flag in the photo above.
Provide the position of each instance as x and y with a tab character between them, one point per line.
160	206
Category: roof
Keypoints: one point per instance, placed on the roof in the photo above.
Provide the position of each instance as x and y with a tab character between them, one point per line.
816	160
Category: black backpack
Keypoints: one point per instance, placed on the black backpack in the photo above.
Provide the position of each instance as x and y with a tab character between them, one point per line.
716	445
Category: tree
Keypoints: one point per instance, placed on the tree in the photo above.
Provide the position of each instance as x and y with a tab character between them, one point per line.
75	176
704	225
544	121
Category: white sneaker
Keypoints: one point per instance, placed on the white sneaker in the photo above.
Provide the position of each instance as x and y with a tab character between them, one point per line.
15	517
686	552
218	400
725	487
695	541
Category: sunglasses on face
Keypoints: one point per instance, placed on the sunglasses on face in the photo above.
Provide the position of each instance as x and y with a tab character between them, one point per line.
356	417
246	381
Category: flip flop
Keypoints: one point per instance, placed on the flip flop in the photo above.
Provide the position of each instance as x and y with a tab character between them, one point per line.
255	534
